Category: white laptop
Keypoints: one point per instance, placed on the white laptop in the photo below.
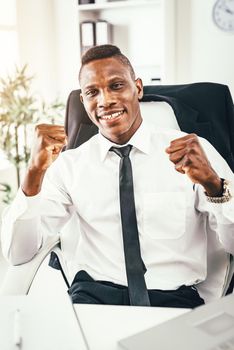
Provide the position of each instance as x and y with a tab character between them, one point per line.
208	327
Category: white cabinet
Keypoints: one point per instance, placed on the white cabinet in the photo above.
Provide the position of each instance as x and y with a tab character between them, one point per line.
144	30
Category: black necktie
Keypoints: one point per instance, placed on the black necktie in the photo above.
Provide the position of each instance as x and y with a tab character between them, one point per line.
135	267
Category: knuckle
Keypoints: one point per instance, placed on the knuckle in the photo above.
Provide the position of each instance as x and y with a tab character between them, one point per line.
187	160
37	128
172	142
194	140
171	157
191	150
192	144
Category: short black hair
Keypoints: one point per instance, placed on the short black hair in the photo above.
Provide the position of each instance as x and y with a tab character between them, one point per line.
105	51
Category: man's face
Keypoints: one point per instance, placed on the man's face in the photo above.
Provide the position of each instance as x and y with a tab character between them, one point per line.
110	97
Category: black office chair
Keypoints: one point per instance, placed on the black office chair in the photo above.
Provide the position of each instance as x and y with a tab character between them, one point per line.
202	108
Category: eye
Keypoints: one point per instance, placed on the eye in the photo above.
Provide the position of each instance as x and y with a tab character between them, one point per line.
91	92
117	85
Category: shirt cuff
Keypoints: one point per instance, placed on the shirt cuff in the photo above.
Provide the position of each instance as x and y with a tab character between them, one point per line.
223	212
25	207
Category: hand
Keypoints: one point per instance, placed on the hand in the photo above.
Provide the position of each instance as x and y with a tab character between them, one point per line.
48	143
189	158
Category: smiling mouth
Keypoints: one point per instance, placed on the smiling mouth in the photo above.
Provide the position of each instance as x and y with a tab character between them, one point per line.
111	116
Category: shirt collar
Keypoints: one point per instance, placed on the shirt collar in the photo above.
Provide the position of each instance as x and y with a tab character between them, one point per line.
140	140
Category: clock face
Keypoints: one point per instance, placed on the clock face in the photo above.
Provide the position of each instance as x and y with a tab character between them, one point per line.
223	14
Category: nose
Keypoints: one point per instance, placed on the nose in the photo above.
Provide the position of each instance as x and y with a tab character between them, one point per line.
105	99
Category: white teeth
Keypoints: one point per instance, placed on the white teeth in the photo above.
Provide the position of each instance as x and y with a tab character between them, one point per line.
111	116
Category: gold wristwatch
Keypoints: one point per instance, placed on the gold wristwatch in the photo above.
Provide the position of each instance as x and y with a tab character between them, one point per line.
226	195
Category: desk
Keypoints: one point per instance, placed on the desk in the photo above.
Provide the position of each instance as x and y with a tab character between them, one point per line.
105	325
49	310
48	324
42	323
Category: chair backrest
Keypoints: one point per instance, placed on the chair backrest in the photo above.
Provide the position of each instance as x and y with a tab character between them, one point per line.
202	108
209	114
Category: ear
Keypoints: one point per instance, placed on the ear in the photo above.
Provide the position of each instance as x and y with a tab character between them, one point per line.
139	86
81	98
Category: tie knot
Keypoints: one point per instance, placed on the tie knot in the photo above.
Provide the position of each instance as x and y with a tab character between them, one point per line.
122	151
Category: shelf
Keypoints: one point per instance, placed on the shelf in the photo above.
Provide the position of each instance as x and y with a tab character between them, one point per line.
118	4
150	46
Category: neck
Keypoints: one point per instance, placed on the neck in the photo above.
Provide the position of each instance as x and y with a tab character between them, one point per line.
122	139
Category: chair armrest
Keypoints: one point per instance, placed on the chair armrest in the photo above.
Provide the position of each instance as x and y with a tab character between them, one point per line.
230	275
18	279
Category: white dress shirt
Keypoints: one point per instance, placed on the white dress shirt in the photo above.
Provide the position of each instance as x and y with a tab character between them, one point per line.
174	217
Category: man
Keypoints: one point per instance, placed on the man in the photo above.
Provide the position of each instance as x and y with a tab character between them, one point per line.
181	194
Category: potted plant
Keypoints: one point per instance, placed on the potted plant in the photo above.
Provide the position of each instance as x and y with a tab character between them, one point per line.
19	111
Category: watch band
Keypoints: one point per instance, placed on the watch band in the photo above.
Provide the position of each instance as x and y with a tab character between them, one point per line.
226	195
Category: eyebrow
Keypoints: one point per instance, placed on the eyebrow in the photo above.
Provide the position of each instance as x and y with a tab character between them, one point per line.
112	79
93	86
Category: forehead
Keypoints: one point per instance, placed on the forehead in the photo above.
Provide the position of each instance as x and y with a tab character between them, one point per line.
103	69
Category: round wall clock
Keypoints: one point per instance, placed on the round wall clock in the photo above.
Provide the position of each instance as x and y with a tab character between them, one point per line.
223	14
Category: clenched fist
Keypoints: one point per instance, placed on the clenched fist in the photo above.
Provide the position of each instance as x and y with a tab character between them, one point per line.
189	158
48	143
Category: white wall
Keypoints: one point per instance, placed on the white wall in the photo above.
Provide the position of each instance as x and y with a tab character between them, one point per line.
36	30
48	42
204	52
67	45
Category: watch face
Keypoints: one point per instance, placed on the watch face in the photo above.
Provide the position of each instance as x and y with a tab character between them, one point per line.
223	14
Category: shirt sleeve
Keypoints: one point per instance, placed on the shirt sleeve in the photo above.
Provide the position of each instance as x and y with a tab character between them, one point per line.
29	220
220	216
